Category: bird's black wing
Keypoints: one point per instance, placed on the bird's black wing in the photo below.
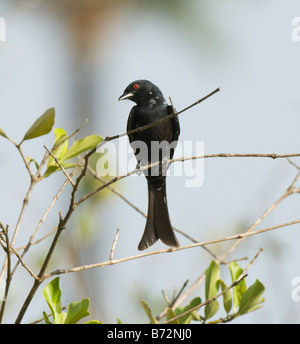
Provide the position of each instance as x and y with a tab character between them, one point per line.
131	124
175	128
175	123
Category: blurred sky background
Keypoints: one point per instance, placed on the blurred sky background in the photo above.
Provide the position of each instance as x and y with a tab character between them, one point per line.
78	56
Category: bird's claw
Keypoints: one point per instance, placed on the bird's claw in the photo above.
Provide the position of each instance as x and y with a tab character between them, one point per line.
165	165
138	169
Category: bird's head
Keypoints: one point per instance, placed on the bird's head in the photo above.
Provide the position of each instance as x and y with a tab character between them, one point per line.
143	93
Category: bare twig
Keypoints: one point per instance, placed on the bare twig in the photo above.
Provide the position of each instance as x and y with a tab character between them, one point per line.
169	250
175	114
172	105
112	251
166	297
219	155
236	155
32	177
23	263
179	293
60	166
6	248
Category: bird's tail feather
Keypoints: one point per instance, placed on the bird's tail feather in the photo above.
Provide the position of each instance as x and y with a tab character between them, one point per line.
158	225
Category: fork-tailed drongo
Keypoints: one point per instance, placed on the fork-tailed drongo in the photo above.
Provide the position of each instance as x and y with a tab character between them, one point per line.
159	142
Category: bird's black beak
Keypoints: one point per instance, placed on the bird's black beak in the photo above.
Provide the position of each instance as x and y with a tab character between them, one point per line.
126	96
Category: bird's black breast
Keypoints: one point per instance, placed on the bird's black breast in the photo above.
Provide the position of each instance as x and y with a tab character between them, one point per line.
165	131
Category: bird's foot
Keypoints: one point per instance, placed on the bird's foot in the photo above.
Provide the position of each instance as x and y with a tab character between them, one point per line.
138	170
165	163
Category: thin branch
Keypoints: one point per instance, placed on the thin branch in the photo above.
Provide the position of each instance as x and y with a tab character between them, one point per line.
23	264
236	155
61	166
169	250
179	293
150	125
166	297
32	177
219	155
292	163
174	110
32	243
112	251
114	180
6	248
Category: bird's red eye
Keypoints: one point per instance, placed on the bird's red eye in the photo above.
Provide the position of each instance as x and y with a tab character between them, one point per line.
136	86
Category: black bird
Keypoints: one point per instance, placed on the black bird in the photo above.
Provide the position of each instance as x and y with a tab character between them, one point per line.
150	107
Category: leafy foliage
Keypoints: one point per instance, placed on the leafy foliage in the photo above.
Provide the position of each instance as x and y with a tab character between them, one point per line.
42	126
61	152
76	310
243	299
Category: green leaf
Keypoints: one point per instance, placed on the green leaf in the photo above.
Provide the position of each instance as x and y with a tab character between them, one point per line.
60	146
227	299
81	146
93	322
171	314
77	311
46	318
251	298
52	295
186	319
30	160
195	302
212	277
60	318
211	309
239	290
52	169
148	312
60	143
41	126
